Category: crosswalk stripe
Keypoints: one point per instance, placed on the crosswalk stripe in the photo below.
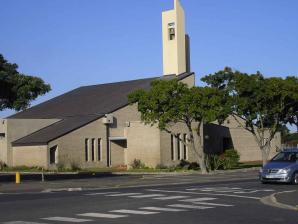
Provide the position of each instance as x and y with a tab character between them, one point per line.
136	212
22	222
147	196
122	194
212	204
198	199
102	215
66	219
189	206
101	193
171	197
163	209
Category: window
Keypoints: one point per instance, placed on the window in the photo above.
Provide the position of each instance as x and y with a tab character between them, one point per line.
185	157
99	149
54	154
171	28
179	146
172	147
2	136
93	149
86	148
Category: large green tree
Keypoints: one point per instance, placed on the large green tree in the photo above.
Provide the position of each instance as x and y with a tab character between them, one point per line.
171	102
18	90
264	104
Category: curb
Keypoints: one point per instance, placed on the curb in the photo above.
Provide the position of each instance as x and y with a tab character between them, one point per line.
187	172
272	201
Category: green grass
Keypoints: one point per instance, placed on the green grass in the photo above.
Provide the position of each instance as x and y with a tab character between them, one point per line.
140	170
21	169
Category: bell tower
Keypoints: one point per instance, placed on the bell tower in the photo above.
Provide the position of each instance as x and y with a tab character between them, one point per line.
175	42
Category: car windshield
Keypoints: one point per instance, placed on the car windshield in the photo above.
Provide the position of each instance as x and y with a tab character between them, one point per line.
286	157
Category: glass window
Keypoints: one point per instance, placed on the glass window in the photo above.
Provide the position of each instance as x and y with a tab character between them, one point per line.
99	149
185	156
171	28
286	157
172	147
53	154
93	149
179	146
86	149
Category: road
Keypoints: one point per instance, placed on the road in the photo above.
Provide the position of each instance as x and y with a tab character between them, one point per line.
164	201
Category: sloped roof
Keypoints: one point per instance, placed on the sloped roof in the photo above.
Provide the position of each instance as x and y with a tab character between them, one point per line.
80	107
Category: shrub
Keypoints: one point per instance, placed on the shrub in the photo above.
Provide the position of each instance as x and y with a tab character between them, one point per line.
137	164
231	158
227	160
194	166
183	164
214	162
161	167
74	166
2	165
188	165
60	166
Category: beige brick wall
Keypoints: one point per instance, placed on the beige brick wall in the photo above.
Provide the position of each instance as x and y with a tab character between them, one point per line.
16	129
165	142
71	147
190	80
245	143
143	144
30	156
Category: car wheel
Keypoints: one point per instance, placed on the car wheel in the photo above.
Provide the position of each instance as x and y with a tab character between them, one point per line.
295	178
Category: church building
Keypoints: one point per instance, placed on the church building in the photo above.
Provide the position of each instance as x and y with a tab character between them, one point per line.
95	126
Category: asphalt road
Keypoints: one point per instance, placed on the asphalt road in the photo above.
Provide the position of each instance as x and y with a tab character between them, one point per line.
225	201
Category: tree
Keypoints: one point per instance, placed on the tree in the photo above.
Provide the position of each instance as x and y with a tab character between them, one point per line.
18	90
170	102
264	104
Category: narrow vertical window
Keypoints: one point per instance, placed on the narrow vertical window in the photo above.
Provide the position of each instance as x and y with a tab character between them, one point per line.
185	157
93	149
99	149
86	149
179	146
53	155
171	28
172	147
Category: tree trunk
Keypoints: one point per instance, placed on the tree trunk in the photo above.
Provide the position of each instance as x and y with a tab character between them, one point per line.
198	150
265	153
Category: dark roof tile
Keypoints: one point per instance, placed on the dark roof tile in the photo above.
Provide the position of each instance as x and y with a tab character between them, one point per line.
80	107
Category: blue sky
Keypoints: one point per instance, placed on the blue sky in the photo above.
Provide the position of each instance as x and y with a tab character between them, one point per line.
70	43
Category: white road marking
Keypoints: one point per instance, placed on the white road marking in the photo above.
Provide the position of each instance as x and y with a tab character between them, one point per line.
189	206
122	194
22	222
101	193
171	197
214	194
136	212
212	204
147	196
102	215
66	219
235	190
198	199
164	209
